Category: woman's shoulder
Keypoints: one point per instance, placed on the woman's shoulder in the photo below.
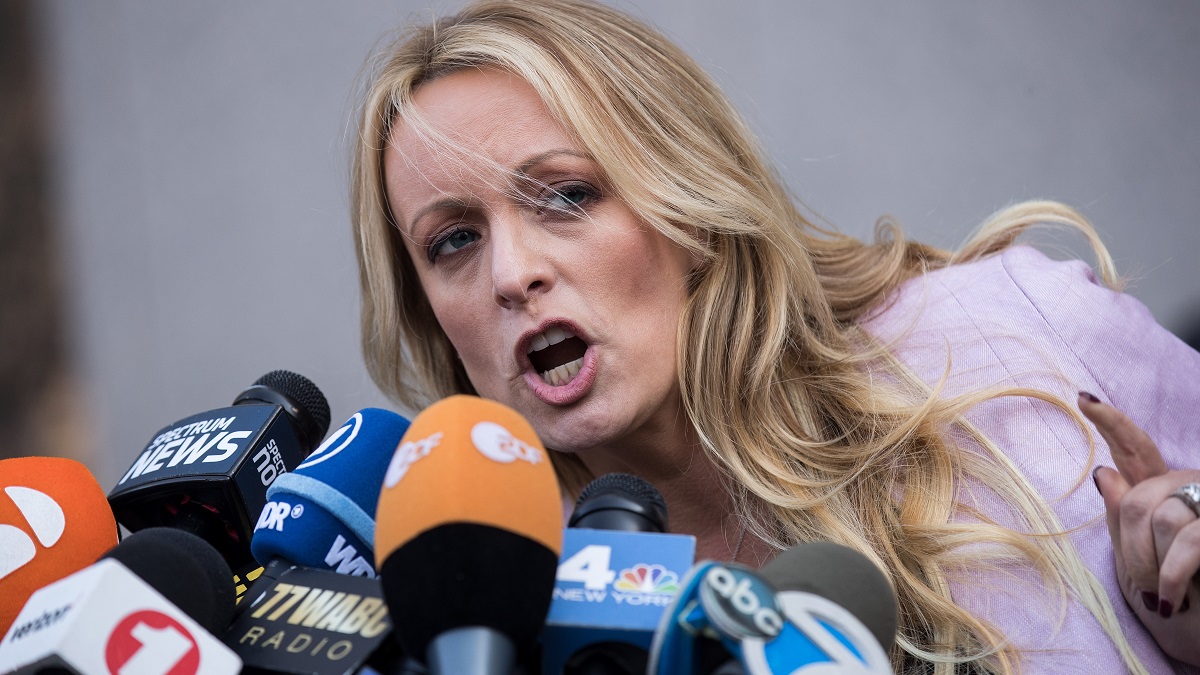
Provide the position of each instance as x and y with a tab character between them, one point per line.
1021	318
1019	283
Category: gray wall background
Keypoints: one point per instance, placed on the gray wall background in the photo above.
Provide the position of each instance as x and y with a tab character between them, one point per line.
201	153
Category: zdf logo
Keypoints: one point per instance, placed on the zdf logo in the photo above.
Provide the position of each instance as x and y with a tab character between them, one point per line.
42	514
499	445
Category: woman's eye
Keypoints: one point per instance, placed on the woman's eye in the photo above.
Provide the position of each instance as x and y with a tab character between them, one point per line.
570	198
451	243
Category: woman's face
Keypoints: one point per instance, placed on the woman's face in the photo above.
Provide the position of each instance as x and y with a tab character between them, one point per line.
559	301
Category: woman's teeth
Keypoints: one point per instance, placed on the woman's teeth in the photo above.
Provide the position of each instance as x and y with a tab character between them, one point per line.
551	336
562	374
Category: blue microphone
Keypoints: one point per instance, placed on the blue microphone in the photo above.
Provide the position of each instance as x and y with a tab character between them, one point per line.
817	609
322	515
617	573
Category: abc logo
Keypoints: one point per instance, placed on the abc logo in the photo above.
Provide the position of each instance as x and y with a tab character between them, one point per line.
43	515
740	604
497	444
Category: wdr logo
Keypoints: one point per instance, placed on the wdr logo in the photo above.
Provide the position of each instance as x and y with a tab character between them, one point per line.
43	515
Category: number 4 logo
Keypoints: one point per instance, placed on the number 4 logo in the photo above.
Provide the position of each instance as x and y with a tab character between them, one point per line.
589	566
151	643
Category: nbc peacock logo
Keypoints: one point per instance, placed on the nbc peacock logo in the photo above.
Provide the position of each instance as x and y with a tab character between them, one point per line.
43	515
643	578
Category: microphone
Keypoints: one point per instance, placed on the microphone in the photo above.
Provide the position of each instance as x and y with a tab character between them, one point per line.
840	575
312	621
322	514
108	618
786	618
619	570
468	536
209	473
302	614
54	520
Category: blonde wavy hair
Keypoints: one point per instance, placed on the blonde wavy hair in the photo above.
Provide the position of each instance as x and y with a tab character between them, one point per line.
772	362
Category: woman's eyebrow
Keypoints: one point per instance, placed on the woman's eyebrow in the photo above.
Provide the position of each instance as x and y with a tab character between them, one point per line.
522	169
525	166
444	204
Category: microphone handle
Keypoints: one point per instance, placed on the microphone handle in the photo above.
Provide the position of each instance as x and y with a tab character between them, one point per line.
471	650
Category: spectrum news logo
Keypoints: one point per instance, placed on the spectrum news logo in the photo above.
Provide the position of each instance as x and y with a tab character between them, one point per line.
43	515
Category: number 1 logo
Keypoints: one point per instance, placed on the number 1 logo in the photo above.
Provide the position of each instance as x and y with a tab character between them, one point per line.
151	643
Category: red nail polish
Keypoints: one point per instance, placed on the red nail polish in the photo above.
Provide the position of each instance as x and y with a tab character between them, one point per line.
1164	609
1150	600
1089	396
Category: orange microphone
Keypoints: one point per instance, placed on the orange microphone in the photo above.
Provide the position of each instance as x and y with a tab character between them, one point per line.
54	521
467	537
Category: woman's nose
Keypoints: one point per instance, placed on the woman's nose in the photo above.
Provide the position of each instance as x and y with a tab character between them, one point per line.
520	270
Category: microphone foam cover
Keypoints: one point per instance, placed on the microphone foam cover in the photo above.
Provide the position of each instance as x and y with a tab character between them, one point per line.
185	569
620	501
469	525
336	489
842	575
54	521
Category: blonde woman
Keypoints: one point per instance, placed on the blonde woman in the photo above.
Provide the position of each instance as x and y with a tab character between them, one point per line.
554	207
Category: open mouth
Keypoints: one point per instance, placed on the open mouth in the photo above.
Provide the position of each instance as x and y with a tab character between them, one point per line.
557	355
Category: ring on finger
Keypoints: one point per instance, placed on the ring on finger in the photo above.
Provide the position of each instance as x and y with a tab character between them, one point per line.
1189	494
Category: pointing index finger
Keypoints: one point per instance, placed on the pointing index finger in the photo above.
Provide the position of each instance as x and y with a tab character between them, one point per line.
1133	451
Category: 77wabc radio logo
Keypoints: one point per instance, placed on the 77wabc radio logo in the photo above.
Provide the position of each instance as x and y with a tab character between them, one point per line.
148	642
640	584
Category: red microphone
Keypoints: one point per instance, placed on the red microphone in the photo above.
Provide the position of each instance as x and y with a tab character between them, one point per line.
54	521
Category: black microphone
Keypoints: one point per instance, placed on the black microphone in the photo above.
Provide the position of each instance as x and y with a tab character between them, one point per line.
208	474
621	502
187	570
150	605
619	569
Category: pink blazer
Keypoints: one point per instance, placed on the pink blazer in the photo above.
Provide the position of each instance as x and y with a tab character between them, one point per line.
1019	318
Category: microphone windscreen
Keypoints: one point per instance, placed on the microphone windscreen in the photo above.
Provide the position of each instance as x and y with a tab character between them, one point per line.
620	501
54	521
843	576
469	525
332	494
185	569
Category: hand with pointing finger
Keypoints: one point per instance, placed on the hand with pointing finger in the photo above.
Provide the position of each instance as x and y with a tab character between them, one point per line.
1155	531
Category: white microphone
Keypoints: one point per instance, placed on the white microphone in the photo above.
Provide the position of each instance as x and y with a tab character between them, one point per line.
107	620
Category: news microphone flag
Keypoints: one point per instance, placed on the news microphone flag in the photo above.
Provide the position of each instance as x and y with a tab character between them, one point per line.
209	473
322	514
468	534
617	573
309	621
104	619
54	520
